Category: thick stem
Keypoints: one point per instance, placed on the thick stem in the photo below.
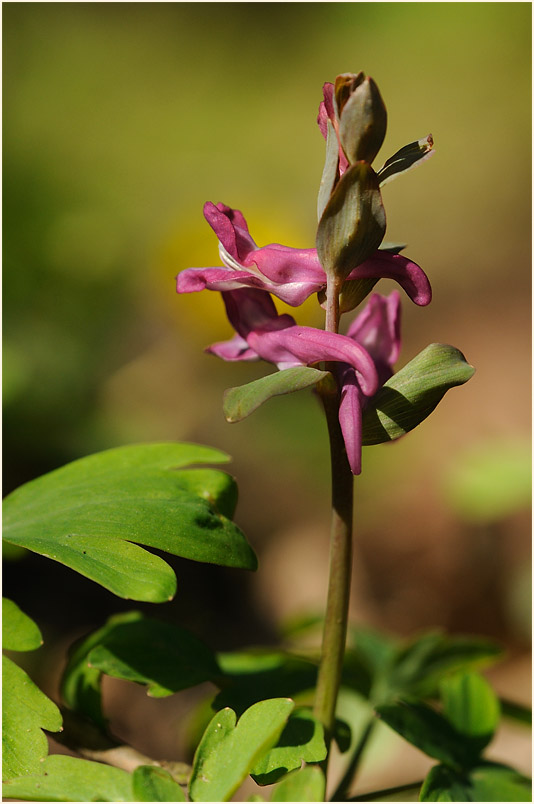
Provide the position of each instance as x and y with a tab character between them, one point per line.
337	606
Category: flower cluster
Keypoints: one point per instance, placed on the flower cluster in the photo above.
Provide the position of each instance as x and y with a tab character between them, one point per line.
347	262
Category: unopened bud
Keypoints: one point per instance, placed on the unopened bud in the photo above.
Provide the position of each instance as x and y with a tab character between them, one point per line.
363	122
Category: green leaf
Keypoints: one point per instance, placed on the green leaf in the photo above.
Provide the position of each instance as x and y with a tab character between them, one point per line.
412	393
418	667
25	711
330	170
240	402
227	752
163	656
353	222
155	784
256	673
486	782
408	157
65	778
515	711
472	707
307	784
429	731
301	739
87	514
19	632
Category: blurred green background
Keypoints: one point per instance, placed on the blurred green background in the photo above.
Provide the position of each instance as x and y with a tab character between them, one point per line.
120	121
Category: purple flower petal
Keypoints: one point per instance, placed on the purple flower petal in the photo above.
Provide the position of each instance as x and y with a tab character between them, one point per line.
231	229
249	310
377	328
412	278
235	349
225	279
294	346
350	418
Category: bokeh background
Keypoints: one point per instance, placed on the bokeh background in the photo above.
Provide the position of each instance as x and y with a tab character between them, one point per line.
120	121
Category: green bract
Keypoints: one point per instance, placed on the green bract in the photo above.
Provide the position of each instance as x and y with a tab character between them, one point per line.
89	513
240	402
411	394
353	222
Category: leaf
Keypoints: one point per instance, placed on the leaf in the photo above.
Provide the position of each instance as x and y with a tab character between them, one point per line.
19	632
240	402
80	684
330	170
515	711
227	752
301	740
25	712
155	784
65	778
353	222
429	731
411	155
87	514
307	784
418	667
163	656
486	782
412	393
253	674
472	707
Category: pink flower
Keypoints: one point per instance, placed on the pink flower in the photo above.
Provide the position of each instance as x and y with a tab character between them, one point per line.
377	329
291	274
365	355
263	334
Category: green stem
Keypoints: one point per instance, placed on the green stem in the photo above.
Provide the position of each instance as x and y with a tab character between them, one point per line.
392	793
342	789
337	606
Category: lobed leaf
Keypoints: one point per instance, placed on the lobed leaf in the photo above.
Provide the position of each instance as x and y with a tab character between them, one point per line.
227	752
418	667
165	657
301	740
87	514
471	705
255	673
64	778
240	402
429	731
307	784
151	783
485	782
25	712
411	394
19	632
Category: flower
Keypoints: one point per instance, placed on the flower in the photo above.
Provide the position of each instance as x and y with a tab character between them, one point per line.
263	334
365	356
377	329
291	274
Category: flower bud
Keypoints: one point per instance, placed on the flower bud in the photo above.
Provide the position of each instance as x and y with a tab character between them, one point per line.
363	120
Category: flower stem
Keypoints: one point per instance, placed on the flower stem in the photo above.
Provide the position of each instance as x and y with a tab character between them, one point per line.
337	606
346	782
